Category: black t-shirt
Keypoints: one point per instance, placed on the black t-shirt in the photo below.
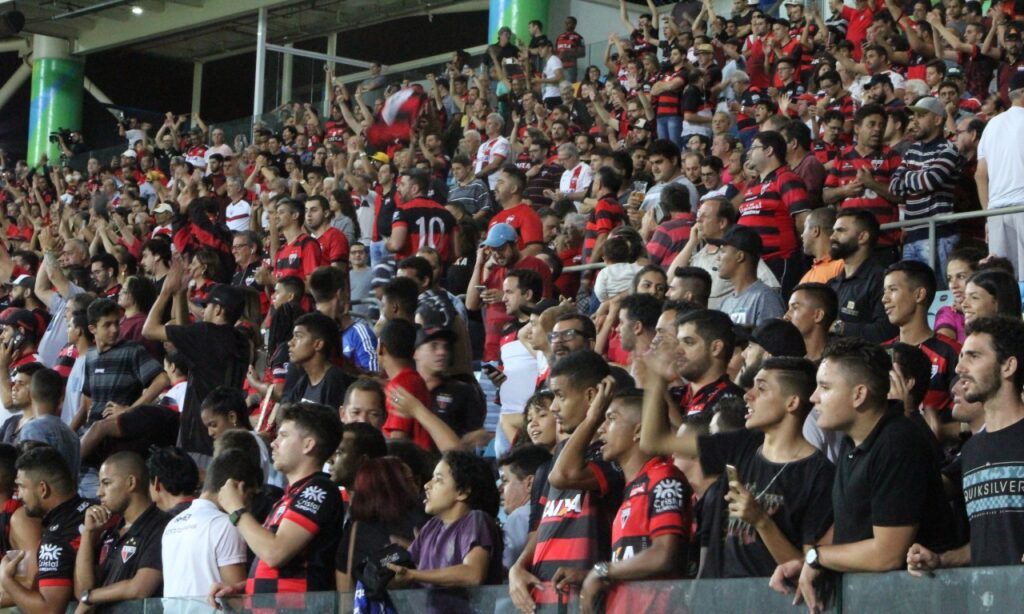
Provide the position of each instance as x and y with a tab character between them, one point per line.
121	556
993	466
372	536
796	495
218	355
891	479
141	428
59	543
458	404
329	391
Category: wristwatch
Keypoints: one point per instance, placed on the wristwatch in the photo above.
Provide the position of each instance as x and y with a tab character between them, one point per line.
84	598
601	571
236	515
812	560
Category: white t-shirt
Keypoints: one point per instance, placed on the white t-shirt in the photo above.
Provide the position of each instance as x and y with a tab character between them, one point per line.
237	215
196	544
1000	147
551	69
576	179
520	367
176	396
224	150
489	150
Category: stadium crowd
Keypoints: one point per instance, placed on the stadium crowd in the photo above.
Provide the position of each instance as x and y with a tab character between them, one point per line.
273	368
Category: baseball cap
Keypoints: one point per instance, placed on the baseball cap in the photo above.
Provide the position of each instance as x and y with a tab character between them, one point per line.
499	235
382	273
640	124
380	156
793	3
1011	35
25	281
163	208
228	297
21	318
779	338
128	153
954	72
742	238
705	48
929	104
540	307
426	334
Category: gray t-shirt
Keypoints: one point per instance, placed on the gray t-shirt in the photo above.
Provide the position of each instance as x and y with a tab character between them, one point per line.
56	335
51	430
359	281
754	305
652	199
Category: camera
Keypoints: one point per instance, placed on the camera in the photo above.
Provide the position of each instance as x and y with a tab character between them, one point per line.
60	133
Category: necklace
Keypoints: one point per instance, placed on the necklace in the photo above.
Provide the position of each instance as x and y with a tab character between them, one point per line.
758	496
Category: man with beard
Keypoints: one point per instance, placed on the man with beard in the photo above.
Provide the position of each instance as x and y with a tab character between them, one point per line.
521	290
992	369
542	175
859	178
858	286
571	332
48	490
638	319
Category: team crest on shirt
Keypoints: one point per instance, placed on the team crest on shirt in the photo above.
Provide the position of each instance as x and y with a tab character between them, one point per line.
128	550
443	401
293	257
624	517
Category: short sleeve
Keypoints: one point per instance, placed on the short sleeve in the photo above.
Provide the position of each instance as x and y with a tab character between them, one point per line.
667	514
230	548
608	474
151	550
531	230
501	148
479	531
56	564
314	506
146	367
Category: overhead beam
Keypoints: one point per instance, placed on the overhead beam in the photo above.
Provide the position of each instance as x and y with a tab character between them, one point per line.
109	34
313	55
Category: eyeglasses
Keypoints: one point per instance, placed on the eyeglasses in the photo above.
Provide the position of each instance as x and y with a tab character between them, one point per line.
565	335
753	147
242	246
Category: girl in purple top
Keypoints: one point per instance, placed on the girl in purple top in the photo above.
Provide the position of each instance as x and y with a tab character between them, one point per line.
461	545
949	320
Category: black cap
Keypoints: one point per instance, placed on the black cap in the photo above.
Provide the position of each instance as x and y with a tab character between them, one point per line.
426	334
779	338
880	78
21	318
540	307
742	238
228	297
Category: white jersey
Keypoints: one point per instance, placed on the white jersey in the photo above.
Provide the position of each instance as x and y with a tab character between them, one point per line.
196	544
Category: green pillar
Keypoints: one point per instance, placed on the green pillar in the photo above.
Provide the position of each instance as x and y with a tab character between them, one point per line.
516	14
56	100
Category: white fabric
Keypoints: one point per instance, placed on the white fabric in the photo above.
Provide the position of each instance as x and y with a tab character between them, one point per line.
551	69
520	369
196	543
177	394
1000	148
237	216
489	150
576	179
73	391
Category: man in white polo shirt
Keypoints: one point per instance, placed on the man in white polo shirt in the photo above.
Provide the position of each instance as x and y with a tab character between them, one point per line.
200	546
577	176
1000	177
238	211
493	152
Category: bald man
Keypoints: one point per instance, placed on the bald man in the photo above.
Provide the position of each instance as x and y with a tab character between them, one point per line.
131	564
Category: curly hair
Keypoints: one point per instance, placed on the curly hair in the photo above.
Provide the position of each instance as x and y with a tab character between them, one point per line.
474	476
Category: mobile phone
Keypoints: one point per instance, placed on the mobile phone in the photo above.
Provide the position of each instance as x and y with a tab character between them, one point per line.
489	368
481	288
731	473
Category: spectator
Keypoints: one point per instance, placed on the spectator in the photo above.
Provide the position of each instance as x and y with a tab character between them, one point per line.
949	320
177	373
24	531
715	216
103	269
119	556
752	301
816	239
333	243
224	409
518	469
493	152
671	236
359	277
386	509
301	253
136	299
238	211
304	529
173	480
812	309
46	426
607	215
576	178
358	342
454	401
420	221
47	488
364	402
619	270
1000	168
508	192
200	546
396	351
805	165
55	289
312	377
991	292
18	395
924	182
638	318
218	352
470	193
691	284
879	512
858	286
570	47
561	547
360	442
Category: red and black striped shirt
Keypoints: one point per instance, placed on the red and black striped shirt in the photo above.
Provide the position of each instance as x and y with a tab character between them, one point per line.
314	504
429	224
943	353
669	239
707	398
607	215
768	207
882	163
668	102
299	258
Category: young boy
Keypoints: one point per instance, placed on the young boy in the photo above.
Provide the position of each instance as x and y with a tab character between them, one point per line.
311	376
177	371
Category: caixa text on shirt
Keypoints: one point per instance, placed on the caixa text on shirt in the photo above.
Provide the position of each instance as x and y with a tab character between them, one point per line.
564	507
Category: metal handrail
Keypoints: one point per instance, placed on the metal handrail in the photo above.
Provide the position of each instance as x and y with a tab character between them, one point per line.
931	222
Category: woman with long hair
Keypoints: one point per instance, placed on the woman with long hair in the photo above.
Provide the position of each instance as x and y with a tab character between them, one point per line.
386	508
203	270
343	214
991	292
949	320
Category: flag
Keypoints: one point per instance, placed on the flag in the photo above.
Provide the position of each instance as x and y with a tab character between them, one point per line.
396	118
